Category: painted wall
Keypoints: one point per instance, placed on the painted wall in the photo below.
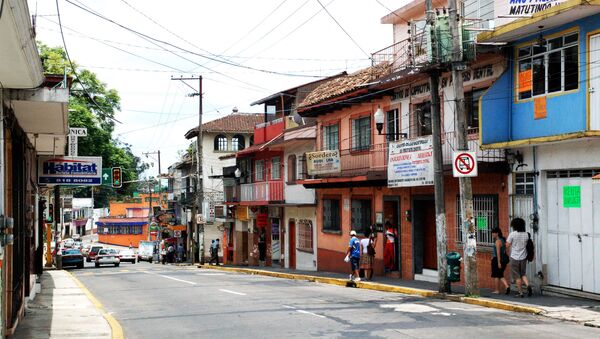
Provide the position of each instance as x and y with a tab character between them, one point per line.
305	260
295	193
505	118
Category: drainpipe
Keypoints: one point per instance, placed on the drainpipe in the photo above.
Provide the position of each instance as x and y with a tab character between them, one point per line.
2	190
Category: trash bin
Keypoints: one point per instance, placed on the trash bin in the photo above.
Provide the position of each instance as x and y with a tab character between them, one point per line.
453	259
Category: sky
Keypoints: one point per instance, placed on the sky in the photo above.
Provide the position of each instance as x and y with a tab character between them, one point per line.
219	40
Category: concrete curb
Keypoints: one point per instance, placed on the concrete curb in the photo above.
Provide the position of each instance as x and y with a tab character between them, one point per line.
116	329
490	303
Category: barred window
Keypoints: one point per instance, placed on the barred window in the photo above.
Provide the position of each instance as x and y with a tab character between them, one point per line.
276	168
524	183
305	235
485	213
361	214
331	215
361	133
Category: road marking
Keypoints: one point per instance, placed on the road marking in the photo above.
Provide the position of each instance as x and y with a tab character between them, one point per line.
306	312
286	306
232	292
167	277
209	274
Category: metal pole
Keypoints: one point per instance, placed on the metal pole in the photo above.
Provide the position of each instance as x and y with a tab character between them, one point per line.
149	209
466	192
438	179
199	183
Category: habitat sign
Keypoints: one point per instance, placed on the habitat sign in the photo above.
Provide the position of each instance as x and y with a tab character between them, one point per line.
83	171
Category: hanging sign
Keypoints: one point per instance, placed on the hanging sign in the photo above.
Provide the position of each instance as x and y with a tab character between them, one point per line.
82	171
323	162
464	164
410	162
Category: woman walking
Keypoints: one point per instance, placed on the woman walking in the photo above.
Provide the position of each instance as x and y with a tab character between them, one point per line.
367	257
517	244
499	262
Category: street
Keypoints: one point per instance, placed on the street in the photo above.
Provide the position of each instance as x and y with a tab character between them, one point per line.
164	301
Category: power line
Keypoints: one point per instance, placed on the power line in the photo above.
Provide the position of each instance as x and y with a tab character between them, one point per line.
73	68
342	28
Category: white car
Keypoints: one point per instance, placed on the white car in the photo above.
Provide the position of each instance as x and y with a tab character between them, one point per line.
68	243
127	255
107	256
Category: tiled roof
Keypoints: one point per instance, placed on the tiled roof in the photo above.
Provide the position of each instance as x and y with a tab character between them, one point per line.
235	122
345	84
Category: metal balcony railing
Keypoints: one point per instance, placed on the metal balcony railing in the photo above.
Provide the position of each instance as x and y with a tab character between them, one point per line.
450	145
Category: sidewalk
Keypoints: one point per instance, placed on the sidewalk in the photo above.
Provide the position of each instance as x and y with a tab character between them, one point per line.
583	311
65	309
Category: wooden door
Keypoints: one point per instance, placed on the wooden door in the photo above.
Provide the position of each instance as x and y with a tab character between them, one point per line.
292	243
429	236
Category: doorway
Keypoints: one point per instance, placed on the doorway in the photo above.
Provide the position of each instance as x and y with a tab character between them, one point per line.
275	245
391	213
424	235
594	82
292	243
244	256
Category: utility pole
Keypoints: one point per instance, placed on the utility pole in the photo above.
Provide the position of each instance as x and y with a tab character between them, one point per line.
438	169
199	190
158	154
149	210
466	192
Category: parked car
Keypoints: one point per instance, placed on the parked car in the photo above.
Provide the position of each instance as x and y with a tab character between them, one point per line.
146	250
68	243
107	256
71	257
127	256
76	236
91	254
77	244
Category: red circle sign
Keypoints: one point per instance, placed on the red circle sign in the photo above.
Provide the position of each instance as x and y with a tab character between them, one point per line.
464	163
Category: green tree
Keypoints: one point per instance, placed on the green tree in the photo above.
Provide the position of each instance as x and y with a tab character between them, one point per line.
93	105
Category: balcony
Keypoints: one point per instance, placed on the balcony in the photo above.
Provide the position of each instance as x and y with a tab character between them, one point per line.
261	192
268	131
399	55
450	142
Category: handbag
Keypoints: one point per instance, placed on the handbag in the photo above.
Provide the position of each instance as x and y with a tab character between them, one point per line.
371	248
347	258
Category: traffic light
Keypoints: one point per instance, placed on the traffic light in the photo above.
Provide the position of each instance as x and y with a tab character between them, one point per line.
117	177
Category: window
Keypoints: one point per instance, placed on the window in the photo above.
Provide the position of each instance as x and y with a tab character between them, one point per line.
259	170
237	143
331	137
291	169
303	172
472	108
549	66
331	215
361	214
220	143
524	183
305	235
393	125
423	118
481	9
276	168
485	213
361	133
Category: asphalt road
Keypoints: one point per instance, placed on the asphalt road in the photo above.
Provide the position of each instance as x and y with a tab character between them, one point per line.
163	301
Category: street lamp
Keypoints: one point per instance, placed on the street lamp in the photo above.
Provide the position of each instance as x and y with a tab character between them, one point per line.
237	173
379	124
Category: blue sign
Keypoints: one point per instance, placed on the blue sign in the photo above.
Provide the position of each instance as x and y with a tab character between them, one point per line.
80	171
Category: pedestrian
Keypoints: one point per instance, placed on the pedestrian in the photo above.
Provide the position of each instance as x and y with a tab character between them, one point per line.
517	244
353	256
262	246
499	261
180	252
389	251
215	252
210	250
170	254
367	255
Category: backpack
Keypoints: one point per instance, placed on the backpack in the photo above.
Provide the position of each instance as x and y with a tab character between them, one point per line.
371	248
530	248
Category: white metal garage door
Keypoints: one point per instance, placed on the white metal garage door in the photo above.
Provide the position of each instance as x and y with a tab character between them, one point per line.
573	214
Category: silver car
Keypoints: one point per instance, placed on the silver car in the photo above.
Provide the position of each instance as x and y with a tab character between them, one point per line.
107	256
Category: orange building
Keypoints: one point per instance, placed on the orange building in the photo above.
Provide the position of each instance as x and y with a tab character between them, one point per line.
127	222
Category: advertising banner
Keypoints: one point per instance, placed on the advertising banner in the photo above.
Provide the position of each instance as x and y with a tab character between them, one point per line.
323	162
410	162
80	171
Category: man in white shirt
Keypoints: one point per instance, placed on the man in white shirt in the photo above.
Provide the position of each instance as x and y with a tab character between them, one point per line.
516	243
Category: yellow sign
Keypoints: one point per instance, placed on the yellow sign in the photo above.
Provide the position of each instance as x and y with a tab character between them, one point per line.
323	162
242	213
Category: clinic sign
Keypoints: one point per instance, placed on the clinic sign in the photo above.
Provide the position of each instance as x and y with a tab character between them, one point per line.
81	171
323	162
410	162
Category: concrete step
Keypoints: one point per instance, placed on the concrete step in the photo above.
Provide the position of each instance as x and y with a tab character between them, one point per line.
427	275
561	292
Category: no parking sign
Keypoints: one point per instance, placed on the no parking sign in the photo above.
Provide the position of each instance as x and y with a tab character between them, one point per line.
464	164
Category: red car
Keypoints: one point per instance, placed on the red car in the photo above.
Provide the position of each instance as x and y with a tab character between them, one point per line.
93	252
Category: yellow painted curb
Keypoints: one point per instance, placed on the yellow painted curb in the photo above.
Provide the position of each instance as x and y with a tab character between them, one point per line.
116	329
386	288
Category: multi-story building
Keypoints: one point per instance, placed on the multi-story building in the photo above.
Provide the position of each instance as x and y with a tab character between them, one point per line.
355	193
221	139
33	121
544	110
